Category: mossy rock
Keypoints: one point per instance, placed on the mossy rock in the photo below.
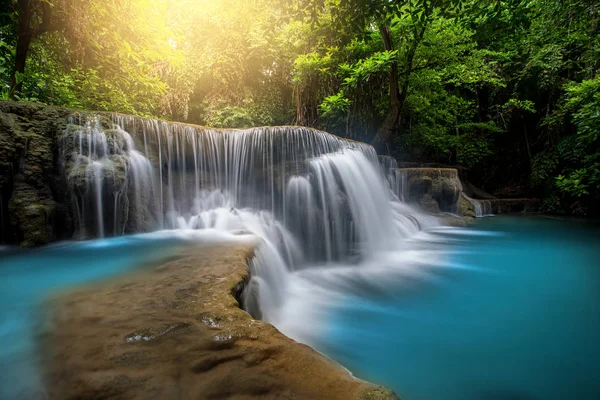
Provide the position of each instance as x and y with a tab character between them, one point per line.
10	148
31	216
446	191
465	208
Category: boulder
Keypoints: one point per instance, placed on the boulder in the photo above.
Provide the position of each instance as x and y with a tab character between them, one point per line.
427	186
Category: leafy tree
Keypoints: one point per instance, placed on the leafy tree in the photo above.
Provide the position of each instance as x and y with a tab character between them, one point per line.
506	89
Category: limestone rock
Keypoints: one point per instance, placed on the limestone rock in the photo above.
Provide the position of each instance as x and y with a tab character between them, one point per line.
176	331
466	208
427	186
513	206
30	185
31	215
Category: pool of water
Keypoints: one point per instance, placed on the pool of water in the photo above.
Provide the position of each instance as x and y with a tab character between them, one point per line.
28	277
508	309
518	318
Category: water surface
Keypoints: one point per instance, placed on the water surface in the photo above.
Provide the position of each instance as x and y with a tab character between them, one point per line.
29	277
517	318
506	310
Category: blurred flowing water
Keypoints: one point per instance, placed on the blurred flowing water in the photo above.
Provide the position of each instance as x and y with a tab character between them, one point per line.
514	314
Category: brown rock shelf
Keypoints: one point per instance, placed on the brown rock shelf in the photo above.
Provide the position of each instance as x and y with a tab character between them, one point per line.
176	331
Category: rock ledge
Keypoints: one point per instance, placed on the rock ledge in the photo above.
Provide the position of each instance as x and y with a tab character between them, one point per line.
176	332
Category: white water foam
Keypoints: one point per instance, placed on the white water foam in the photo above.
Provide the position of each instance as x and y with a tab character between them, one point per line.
325	216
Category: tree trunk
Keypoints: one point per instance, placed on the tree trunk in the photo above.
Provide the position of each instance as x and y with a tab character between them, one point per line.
390	123
398	95
24	36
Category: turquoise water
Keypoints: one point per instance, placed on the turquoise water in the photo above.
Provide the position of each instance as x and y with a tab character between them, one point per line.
28	277
519	321
512	312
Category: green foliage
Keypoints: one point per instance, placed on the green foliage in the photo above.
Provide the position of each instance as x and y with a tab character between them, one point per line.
544	166
514	105
507	88
583	101
335	107
580	177
7	57
221	115
309	66
365	69
552	205
574	183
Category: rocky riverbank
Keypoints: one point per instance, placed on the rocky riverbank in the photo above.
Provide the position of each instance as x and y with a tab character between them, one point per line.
176	331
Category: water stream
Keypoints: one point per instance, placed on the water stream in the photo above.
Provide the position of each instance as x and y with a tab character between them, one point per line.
343	263
314	199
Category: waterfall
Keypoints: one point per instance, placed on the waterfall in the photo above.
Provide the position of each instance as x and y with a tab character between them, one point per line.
396	178
108	178
312	198
483	208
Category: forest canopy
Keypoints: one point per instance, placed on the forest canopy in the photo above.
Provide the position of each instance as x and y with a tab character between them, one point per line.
506	90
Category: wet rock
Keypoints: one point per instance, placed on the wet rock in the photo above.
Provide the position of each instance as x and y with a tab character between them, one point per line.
31	187
466	208
428	204
514	206
31	215
435	190
207	348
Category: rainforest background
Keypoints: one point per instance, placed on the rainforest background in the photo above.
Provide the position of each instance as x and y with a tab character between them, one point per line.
507	91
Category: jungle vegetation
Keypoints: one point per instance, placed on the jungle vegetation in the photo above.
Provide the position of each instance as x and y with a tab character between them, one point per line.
507	90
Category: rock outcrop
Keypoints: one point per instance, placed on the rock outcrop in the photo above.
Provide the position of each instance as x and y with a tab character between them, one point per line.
37	206
176	332
445	192
514	206
435	190
31	191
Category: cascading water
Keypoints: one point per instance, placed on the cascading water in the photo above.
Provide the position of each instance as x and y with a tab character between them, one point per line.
319	203
396	178
107	177
483	208
398	183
